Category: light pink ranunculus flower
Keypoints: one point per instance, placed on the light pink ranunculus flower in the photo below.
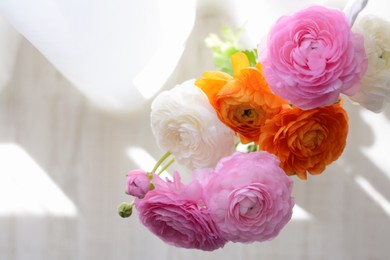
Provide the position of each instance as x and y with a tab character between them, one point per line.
312	56
249	197
137	183
176	213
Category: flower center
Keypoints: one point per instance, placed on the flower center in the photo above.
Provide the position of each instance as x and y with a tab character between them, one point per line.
313	139
248	202
308	54
247	113
384	55
249	207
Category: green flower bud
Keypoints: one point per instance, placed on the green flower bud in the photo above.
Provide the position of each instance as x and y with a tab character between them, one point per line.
125	209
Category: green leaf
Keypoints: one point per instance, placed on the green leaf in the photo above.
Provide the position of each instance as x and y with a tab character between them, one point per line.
252	56
230	35
225	45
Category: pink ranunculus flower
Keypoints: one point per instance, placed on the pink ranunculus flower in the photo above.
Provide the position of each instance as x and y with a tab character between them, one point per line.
249	197
312	56
176	213
137	183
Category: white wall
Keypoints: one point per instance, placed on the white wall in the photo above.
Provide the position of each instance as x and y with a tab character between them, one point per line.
67	159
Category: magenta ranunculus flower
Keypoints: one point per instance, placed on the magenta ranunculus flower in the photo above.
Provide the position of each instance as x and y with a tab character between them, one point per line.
249	197
137	183
177	214
312	56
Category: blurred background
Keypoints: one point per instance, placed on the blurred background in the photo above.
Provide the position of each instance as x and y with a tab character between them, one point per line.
76	82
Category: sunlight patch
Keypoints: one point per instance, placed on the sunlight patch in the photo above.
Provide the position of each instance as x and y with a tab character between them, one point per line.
26	189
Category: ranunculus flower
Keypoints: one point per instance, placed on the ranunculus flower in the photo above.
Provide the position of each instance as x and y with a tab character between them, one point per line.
312	56
185	124
242	102
306	140
375	88
137	183
249	197
176	213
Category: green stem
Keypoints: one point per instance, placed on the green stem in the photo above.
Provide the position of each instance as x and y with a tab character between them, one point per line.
166	166
159	162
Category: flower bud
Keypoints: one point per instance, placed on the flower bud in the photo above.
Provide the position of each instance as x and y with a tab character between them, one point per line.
125	209
138	183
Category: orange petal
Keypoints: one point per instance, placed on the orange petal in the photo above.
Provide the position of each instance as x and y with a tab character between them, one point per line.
239	61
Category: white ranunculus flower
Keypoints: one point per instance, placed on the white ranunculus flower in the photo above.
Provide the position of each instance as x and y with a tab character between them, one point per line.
185	124
375	85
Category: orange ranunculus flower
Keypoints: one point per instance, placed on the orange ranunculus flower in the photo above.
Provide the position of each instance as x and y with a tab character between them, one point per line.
243	102
306	140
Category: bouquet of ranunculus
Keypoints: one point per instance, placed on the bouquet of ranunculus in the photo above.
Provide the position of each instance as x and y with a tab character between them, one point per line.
283	101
